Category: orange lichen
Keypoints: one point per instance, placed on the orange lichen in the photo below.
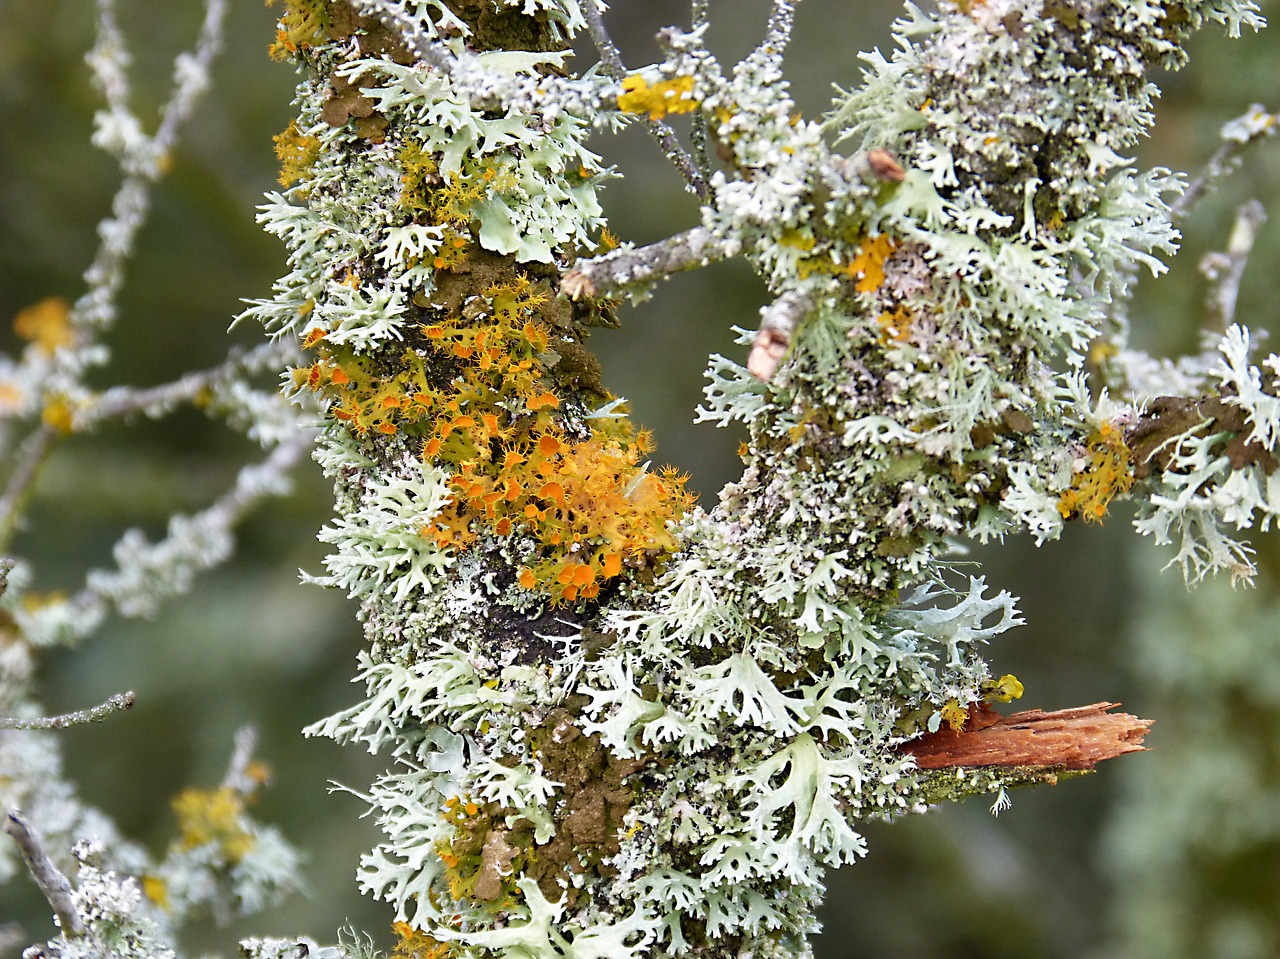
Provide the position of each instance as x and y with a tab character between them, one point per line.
297	152
416	944
1107	473
478	403
868	265
304	23
895	325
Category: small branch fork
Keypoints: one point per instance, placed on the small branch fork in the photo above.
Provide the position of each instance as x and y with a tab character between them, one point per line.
50	881
611	58
95	714
1237	135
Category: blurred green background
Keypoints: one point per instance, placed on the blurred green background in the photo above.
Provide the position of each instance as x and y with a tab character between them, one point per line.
1164	854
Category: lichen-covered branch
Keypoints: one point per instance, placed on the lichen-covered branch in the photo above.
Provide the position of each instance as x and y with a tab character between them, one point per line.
628	267
50	881
624	723
109	895
1237	135
94	714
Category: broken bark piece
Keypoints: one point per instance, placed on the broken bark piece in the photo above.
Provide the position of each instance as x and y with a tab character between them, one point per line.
1078	738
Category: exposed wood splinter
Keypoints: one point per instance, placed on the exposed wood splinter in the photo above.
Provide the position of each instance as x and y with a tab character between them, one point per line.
1078	738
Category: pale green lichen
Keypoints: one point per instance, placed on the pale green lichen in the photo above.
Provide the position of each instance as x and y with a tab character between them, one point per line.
667	764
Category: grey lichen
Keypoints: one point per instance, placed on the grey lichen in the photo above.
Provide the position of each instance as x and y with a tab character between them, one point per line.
622	724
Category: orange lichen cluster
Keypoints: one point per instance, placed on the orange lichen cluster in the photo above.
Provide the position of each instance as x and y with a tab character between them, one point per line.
868	265
866	268
304	23
1108	473
296	151
895	325
480	404
665	96
416	944
484	857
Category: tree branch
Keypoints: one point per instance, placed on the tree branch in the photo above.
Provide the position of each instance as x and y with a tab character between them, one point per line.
50	881
778	322
1237	135
1225	269
122	401
117	703
35	450
611	59
631	266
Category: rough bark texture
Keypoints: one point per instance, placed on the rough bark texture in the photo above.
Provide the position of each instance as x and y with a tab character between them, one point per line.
1076	739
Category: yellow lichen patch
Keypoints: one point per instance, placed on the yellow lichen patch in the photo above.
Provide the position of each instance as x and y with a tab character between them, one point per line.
157	890
213	816
58	414
868	265
954	715
1003	690
46	324
1107	473
303	24
418	178
665	96
449	199
296	151
33	602
1102	350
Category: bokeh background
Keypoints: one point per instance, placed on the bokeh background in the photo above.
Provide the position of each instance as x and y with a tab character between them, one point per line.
1172	853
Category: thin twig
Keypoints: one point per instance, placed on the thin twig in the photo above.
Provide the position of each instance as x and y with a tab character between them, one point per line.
671	148
610	57
699	16
627	267
35	450
193	544
1237	135
781	19
238	777
122	401
95	714
52	883
191	77
1226	269
142	161
611	60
